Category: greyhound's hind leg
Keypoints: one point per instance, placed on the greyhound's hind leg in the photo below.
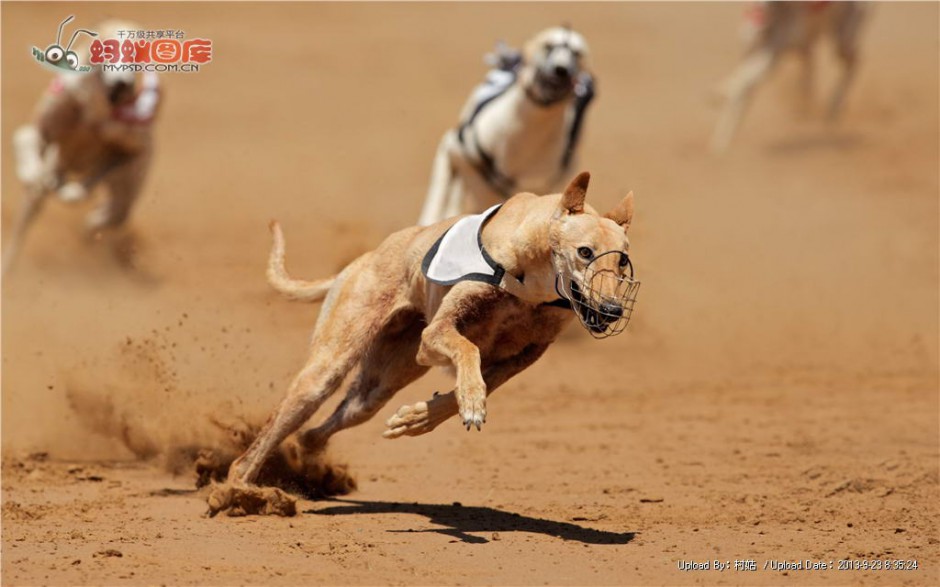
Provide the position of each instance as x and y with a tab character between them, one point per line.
32	204
442	177
341	338
38	176
340	341
805	89
388	366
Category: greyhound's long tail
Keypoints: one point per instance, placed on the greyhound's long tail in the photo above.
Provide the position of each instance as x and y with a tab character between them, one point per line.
295	289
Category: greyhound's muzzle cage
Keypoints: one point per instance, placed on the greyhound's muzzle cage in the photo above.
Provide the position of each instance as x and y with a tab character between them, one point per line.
604	297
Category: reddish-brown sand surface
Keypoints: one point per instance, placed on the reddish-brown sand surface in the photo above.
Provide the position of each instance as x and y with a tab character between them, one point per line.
774	399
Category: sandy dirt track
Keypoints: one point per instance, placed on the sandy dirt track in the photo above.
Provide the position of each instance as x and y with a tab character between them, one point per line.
775	397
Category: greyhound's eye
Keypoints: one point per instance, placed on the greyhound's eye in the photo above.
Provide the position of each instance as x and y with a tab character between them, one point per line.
585	253
72	58
54	54
548	47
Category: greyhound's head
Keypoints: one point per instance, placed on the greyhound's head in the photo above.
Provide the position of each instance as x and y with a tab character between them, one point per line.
118	84
590	254
554	59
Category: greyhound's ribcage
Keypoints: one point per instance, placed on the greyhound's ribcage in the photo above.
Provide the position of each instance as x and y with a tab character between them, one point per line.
506	328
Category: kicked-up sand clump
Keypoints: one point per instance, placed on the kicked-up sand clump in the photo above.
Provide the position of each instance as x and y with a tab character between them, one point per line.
291	468
250	500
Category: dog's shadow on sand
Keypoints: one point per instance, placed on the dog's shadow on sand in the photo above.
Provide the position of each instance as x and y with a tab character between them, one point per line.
460	521
815	142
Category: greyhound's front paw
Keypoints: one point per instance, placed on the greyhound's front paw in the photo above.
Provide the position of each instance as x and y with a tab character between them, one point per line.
72	192
29	172
472	407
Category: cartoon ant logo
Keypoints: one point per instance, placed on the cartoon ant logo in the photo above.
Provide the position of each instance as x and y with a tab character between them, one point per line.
61	58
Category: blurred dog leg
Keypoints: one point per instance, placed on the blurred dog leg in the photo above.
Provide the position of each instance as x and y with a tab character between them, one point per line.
846	40
469	190
740	88
32	171
442	178
807	82
32	204
27	146
457	197
124	181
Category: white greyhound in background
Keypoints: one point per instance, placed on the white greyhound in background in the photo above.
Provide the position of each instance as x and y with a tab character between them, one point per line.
778	28
518	131
89	129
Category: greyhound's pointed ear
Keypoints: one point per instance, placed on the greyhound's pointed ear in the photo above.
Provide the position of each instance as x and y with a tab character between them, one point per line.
573	198
622	213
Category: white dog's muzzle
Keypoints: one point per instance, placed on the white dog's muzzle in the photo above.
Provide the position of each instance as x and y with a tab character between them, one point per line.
602	299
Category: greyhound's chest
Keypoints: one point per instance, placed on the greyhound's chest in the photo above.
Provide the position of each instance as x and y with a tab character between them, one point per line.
528	148
505	327
80	151
802	24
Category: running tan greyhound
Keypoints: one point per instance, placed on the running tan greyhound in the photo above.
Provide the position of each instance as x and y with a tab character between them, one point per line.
484	295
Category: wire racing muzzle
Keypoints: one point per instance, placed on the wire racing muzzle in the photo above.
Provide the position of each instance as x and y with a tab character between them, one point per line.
604	296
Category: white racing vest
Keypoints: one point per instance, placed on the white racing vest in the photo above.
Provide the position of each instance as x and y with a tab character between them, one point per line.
459	254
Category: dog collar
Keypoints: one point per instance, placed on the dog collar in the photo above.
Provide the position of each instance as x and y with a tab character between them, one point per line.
144	106
583	92
56	86
458	255
559	303
539	101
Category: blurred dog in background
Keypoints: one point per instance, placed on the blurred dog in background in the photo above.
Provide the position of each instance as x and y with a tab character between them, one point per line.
518	131
774	29
89	128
